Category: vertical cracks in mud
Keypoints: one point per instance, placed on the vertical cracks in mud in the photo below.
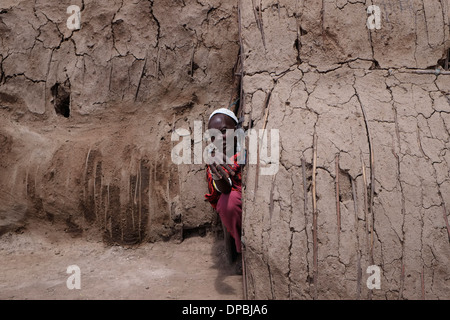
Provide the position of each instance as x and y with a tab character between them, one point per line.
291	240
140	78
445	215
358	250
157	45
338	202
158	34
372	173
305	209
397	157
266	108
314	204
257	10
241	62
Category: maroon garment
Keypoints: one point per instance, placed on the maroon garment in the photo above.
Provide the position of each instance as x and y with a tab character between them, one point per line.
229	206
214	195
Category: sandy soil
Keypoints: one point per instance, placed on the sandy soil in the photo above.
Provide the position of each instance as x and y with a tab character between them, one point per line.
34	261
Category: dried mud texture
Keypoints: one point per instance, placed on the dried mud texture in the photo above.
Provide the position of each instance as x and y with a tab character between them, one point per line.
364	167
86	116
35	260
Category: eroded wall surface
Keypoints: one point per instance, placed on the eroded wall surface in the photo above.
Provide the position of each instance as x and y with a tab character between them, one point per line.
363	178
87	114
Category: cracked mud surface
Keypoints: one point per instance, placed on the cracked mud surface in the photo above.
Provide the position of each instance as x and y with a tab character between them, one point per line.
364	176
86	119
411	184
87	115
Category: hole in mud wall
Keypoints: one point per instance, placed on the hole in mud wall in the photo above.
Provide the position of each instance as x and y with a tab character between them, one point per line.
61	98
6	98
445	62
194	232
375	65
297	46
345	186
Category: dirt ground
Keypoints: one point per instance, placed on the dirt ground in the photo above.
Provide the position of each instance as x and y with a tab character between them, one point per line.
34	262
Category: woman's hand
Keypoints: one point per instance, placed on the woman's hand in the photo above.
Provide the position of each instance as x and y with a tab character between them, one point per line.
218	162
220	176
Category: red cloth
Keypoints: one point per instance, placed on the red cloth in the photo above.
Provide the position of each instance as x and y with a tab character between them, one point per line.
229	206
214	195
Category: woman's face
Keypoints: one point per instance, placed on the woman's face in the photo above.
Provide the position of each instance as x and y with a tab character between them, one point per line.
223	123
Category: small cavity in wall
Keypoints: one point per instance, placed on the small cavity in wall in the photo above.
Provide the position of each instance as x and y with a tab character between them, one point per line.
61	98
445	61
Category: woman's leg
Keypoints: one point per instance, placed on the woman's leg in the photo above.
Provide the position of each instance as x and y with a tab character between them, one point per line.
229	208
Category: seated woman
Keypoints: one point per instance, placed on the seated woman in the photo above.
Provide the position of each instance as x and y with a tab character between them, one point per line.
224	177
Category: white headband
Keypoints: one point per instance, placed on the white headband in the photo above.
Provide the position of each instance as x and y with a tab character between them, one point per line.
226	112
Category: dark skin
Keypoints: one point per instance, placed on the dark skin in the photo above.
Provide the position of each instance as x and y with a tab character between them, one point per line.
222	122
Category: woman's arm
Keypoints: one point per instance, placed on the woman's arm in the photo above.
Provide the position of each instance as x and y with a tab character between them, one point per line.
222	181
